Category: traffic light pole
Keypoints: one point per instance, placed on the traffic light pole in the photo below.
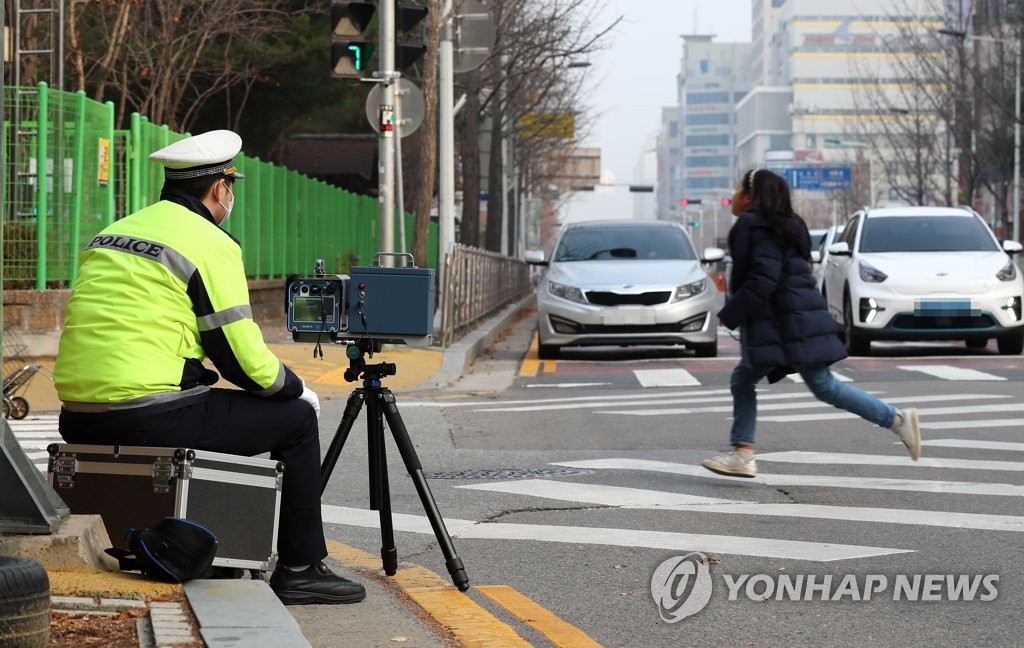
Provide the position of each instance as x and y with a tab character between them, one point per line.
386	142
446	149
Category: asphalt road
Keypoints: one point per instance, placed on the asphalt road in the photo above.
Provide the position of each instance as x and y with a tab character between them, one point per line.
578	482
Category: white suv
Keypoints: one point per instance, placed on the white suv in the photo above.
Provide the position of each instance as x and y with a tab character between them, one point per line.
924	273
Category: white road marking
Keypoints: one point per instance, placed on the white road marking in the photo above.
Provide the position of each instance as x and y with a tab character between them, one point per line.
797	378
716	544
644	403
1017	423
475	402
665	378
934	411
828	481
810	404
974	443
845	458
564	385
637	498
949	372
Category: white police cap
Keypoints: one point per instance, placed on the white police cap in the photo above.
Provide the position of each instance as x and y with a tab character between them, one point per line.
200	155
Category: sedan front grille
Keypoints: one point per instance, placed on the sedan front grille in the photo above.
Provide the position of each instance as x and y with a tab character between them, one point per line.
603	298
918	323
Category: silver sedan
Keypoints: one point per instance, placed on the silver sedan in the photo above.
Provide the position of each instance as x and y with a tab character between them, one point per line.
627	283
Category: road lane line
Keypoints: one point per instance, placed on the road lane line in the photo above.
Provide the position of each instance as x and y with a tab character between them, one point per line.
1016	423
933	411
530	366
973	443
846	458
452	609
797	378
644	499
949	372
539	618
665	378
668	540
811	403
827	481
580	399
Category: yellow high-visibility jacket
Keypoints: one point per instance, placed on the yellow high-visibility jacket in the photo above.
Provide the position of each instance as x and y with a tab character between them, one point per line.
156	293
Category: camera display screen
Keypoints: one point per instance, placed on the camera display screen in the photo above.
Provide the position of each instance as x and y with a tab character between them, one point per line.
309	309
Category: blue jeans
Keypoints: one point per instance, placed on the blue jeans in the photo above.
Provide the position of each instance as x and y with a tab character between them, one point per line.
822	384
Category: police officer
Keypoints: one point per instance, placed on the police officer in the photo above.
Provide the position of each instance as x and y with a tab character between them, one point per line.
156	293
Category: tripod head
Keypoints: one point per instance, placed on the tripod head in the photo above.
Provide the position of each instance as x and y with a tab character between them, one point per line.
357	366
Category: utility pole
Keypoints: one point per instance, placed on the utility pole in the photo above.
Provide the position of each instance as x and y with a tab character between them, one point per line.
446	147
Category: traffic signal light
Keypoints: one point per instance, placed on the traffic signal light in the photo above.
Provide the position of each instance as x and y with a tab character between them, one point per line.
408	16
726	202
695	223
350	51
686	202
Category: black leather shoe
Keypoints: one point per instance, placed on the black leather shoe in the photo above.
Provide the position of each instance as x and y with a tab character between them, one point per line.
316	584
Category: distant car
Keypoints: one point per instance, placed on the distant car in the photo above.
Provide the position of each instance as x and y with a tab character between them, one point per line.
627	283
816	236
924	273
819	255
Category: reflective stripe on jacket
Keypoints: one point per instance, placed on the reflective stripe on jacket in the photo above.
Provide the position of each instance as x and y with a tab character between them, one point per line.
156	293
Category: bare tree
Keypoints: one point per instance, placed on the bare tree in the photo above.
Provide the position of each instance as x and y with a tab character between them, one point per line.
166	59
527	75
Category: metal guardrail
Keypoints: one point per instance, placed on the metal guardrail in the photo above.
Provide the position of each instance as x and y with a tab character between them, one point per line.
477	283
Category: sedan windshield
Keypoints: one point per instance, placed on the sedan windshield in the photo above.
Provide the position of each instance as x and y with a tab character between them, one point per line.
926	234
592	243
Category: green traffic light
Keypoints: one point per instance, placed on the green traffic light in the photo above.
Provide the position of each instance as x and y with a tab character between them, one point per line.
357	56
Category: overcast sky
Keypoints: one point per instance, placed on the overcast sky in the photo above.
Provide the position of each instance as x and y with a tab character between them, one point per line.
635	77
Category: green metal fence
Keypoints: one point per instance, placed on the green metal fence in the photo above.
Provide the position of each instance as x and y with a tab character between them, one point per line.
92	174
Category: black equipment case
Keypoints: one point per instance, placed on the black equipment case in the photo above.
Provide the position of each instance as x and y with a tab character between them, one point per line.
134	487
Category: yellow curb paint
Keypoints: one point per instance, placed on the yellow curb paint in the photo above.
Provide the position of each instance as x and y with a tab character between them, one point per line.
471	624
531	363
541	619
120	585
550	365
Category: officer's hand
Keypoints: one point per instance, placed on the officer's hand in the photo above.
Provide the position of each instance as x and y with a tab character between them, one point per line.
310	397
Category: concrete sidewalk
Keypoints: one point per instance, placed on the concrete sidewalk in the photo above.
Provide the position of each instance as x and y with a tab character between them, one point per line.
229	613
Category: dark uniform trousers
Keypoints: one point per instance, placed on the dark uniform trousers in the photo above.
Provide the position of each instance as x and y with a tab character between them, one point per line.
231	422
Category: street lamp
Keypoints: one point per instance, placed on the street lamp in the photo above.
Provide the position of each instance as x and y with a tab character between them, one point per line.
962	35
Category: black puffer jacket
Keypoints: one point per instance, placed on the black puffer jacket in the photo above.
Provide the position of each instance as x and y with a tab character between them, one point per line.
785	322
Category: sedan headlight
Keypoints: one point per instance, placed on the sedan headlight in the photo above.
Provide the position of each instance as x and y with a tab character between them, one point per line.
572	293
1008	273
689	290
870	273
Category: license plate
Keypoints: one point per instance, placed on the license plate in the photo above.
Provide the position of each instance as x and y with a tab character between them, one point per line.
944	308
628	316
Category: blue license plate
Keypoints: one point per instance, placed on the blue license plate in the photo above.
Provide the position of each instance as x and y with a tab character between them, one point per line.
945	308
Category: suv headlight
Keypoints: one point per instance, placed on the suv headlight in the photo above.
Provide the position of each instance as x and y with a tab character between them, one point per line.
870	273
1008	273
572	293
689	290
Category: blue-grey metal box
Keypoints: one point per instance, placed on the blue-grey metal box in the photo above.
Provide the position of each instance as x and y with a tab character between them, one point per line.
399	301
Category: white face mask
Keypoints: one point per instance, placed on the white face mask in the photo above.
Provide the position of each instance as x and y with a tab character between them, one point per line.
228	207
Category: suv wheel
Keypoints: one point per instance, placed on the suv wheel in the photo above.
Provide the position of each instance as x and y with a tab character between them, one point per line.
856	343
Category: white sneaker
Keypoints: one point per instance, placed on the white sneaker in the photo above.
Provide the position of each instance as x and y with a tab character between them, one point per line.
732	465
907	426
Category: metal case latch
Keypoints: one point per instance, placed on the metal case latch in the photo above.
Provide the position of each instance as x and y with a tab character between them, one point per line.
163	473
64	469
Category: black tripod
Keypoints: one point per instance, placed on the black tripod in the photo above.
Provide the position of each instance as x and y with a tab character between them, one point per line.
380	405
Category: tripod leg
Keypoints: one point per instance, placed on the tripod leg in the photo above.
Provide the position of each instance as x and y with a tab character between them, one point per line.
412	465
355	402
380	496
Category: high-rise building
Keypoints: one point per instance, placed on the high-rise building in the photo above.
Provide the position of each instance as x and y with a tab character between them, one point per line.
697	146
